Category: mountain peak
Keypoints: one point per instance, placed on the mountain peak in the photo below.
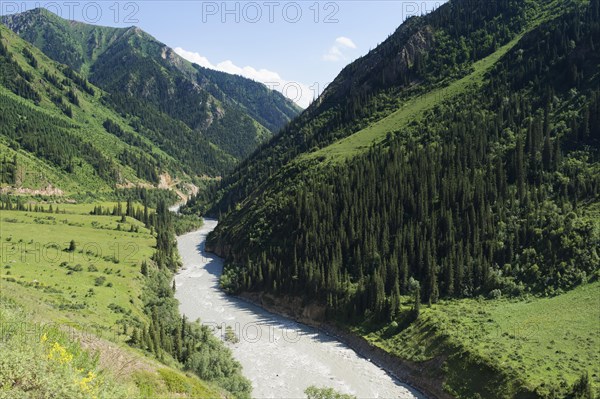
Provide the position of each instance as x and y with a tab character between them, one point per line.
38	14
236	114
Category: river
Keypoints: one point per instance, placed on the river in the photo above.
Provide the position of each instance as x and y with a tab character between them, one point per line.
281	357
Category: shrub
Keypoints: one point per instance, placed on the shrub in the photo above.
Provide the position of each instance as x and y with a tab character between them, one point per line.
495	294
313	392
230	335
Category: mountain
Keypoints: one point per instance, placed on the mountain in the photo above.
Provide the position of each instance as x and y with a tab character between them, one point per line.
143	76
58	136
459	159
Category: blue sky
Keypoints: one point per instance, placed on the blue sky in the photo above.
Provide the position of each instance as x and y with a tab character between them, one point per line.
295	46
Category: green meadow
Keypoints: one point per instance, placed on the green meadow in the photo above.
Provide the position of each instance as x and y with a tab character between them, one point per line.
69	280
97	283
505	346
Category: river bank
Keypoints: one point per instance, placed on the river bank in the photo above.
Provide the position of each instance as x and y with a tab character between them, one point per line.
280	356
421	376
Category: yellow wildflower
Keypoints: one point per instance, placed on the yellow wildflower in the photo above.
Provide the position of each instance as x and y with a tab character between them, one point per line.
60	354
86	383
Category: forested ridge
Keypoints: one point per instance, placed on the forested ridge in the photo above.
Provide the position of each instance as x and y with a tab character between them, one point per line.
196	154
148	83
485	195
52	113
423	54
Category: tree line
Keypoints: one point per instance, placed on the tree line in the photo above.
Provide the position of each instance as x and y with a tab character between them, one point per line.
168	334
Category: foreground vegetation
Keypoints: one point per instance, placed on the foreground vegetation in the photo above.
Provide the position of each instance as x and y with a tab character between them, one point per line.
58	360
98	278
45	362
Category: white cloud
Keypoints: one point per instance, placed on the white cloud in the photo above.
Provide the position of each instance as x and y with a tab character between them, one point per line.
194	57
298	92
345	42
335	52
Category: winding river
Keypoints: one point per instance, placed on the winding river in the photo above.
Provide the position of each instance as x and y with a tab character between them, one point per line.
281	357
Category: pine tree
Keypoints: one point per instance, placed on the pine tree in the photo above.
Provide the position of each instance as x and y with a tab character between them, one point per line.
144	269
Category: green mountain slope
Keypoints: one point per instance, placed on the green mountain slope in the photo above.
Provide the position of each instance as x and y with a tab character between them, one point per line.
458	159
56	131
235	113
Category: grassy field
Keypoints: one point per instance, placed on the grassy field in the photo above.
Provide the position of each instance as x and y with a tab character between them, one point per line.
496	345
98	283
53	361
78	298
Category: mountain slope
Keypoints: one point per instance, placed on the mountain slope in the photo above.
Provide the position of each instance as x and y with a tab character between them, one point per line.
458	159
57	132
235	113
408	67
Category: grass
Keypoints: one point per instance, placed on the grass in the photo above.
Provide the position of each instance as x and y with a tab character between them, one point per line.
168	383
36	261
47	360
544	343
79	298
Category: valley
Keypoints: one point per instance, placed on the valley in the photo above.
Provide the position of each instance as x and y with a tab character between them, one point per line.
429	227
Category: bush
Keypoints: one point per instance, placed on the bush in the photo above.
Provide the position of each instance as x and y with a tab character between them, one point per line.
174	382
76	268
230	335
313	392
495	294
